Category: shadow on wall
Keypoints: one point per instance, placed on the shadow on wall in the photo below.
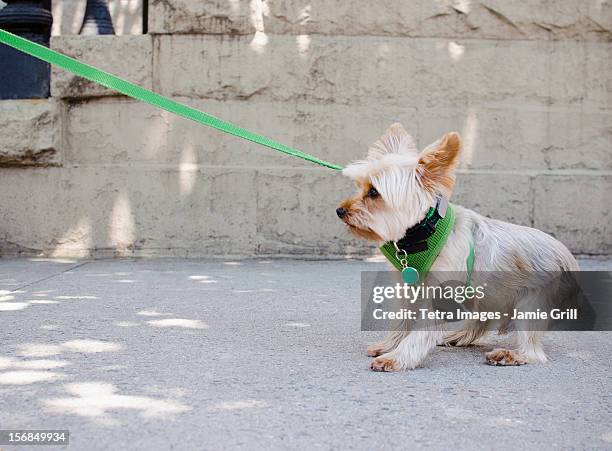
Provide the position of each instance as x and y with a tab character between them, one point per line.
185	211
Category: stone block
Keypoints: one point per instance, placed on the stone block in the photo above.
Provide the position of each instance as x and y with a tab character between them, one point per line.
423	73
525	137
394	18
503	196
539	19
596	70
575	208
128	57
114	211
120	131
210	16
296	214
490	19
31	133
579	139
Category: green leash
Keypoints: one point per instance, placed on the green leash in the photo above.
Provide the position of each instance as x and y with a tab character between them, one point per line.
144	95
420	262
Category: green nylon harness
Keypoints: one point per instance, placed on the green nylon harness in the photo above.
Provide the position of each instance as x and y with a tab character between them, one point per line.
415	266
421	262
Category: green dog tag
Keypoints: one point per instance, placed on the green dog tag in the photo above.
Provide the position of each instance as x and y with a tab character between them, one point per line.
410	275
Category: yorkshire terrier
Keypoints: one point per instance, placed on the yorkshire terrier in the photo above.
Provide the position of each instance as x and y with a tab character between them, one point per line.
397	186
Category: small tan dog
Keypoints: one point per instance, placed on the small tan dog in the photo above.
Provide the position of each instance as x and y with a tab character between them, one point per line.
397	185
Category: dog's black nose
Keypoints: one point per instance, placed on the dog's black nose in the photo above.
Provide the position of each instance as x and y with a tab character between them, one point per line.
341	212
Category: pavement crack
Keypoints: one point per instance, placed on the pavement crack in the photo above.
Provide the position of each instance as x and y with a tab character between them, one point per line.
44	279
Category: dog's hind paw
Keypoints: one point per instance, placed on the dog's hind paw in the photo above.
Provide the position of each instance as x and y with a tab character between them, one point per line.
384	364
504	357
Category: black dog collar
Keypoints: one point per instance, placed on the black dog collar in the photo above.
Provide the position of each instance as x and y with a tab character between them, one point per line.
415	238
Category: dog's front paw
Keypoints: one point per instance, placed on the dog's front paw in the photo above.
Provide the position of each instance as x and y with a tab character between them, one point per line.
376	349
504	357
384	364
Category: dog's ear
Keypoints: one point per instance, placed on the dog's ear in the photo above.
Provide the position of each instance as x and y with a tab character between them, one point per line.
437	164
395	140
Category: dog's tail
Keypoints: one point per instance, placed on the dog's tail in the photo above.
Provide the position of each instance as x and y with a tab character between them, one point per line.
554	255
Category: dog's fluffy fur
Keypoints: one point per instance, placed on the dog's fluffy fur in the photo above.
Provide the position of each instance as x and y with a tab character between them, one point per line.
406	183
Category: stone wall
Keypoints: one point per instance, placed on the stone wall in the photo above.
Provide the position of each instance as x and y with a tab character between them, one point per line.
527	84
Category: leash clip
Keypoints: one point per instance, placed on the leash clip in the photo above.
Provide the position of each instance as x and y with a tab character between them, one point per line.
410	275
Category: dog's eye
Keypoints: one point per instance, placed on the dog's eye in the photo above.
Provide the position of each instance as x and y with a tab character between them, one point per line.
373	193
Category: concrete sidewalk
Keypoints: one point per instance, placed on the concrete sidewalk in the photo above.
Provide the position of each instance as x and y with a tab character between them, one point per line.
184	354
